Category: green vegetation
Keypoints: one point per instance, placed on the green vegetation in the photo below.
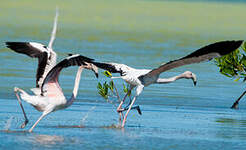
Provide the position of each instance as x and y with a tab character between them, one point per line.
108	90
233	65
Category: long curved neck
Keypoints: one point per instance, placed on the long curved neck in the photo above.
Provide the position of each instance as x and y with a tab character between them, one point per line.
76	86
169	80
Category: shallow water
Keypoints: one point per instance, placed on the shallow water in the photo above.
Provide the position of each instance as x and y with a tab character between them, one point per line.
142	34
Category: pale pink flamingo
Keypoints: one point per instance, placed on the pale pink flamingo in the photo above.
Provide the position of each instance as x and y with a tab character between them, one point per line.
52	98
45	54
46	59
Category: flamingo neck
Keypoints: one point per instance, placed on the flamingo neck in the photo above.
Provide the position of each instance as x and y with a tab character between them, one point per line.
76	86
169	80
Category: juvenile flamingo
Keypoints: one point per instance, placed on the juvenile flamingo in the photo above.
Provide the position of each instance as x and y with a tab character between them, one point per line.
141	78
52	98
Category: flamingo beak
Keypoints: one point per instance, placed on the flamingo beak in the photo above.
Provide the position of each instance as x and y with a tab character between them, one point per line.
96	74
194	79
95	70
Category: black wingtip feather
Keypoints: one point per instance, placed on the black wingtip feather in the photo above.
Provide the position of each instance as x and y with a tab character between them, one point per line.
222	48
107	67
87	59
17	46
11	45
75	60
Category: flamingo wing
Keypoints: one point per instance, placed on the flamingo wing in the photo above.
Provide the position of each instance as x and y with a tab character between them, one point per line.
113	67
203	54
31	49
50	85
46	57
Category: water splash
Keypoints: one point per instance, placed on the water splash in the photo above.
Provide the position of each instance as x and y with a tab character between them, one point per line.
8	123
83	120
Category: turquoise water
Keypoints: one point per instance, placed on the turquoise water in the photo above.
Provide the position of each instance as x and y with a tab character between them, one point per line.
175	116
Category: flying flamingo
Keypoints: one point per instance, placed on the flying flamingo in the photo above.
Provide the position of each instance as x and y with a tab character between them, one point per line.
46	59
52	98
141	78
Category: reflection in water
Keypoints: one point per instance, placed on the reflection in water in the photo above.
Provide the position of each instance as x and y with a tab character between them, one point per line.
69	126
230	128
113	126
232	122
15	131
48	139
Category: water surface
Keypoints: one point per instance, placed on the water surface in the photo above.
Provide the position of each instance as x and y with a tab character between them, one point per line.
142	34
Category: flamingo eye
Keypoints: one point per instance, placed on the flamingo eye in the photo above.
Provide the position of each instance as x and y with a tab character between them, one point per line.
45	46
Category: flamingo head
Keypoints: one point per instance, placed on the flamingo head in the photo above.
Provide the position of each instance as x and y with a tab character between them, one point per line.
92	67
190	75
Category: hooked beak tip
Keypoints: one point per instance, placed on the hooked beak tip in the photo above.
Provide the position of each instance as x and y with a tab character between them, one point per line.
96	74
194	83
194	79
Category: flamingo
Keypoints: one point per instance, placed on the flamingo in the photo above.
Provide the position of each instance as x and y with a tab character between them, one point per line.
141	78
46	59
45	54
52	98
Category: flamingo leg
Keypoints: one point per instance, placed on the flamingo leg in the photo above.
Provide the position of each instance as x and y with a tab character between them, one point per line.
130	101
135	107
139	89
119	108
124	120
235	104
120	115
40	118
123	100
22	108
